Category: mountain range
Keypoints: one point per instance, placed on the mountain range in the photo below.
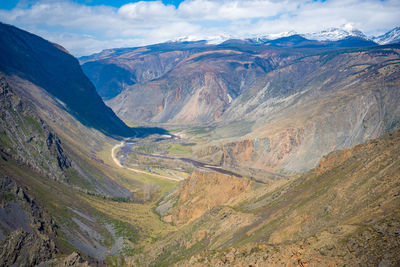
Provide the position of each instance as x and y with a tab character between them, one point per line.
281	100
249	152
329	34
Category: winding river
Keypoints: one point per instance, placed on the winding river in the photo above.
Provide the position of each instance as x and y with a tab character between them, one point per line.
126	148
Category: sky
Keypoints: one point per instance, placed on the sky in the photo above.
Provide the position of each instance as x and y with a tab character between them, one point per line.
89	26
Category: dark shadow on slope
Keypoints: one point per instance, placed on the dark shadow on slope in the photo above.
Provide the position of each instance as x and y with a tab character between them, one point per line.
51	67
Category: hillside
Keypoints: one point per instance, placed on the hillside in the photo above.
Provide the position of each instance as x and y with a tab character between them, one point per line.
345	211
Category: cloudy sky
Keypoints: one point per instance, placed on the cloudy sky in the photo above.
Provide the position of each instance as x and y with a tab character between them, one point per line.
88	26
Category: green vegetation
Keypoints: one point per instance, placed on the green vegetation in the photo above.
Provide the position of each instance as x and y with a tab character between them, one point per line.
179	149
7	197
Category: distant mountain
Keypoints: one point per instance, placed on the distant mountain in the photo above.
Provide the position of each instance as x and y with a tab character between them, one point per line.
51	67
330	34
212	39
353	41
293	41
390	37
268	37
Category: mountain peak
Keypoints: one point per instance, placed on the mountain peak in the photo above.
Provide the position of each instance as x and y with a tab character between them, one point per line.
272	36
391	37
211	39
336	33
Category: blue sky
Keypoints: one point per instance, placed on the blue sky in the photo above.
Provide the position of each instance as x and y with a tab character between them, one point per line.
88	26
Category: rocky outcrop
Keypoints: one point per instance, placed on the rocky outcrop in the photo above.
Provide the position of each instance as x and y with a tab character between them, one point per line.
55	148
36	242
200	193
336	158
74	259
259	153
30	235
371	247
25	249
26	137
377	245
40	220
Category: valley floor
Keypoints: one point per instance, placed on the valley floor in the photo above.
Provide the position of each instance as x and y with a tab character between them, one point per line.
118	163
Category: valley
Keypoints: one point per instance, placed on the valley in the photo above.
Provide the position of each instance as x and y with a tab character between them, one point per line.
282	152
166	152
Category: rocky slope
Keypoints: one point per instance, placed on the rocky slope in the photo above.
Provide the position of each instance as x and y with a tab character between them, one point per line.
114	71
30	232
27	231
201	83
28	138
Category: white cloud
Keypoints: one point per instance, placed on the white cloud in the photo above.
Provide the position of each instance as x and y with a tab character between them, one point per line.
147	11
86	29
233	10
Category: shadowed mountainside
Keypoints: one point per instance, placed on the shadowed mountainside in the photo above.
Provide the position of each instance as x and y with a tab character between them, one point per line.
51	67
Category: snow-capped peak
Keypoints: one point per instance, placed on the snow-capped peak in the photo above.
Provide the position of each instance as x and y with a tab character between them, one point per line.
390	37
216	39
334	34
273	36
330	34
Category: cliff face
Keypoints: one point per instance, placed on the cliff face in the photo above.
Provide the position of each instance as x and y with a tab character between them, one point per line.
28	233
